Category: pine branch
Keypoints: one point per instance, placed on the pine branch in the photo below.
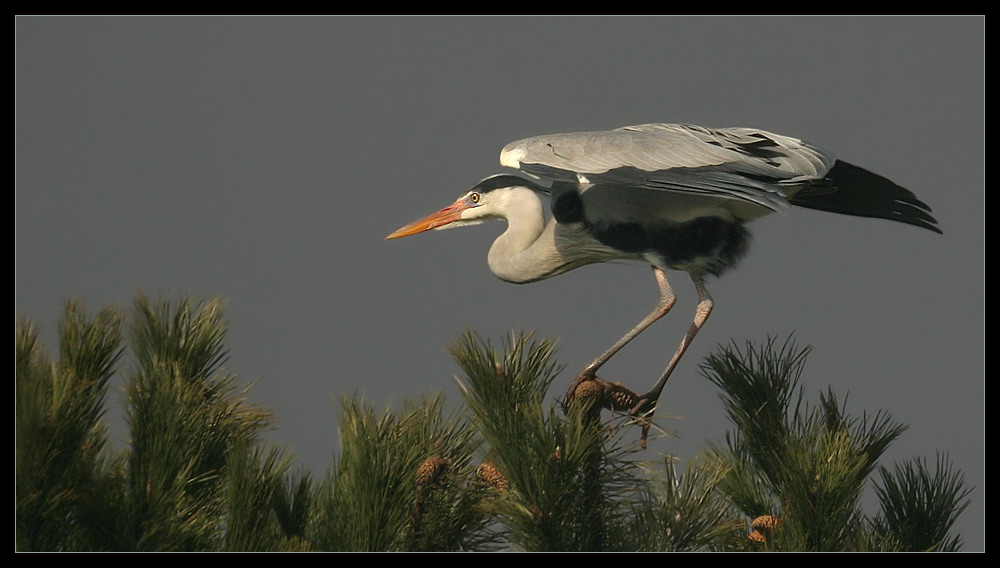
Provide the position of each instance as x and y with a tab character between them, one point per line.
190	335
59	436
564	488
182	422
254	477
804	465
292	502
401	482
686	513
920	507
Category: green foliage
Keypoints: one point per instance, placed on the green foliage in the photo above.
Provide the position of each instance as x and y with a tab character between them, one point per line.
566	489
59	438
186	419
260	513
184	415
507	470
919	507
402	482
189	337
686	513
292	503
808	466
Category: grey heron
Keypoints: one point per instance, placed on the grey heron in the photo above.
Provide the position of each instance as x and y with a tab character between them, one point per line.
675	196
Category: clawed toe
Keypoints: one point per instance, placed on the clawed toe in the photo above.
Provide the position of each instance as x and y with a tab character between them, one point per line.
603	395
644	406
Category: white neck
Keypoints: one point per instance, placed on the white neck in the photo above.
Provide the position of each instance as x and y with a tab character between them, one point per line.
526	251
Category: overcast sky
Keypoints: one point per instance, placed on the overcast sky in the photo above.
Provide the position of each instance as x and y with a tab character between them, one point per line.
265	159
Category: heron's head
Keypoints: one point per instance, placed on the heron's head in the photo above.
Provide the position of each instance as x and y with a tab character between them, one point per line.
488	199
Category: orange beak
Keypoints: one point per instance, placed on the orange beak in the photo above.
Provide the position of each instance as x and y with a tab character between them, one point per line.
449	214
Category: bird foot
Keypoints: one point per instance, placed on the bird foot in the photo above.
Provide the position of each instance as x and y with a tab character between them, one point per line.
642	411
611	396
606	395
643	406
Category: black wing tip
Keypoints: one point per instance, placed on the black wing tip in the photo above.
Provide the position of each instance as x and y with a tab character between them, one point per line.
859	192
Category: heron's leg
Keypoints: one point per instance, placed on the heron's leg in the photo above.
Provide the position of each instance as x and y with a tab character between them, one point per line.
667	300
647	402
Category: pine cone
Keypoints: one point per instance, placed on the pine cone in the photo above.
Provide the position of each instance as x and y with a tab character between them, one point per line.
762	527
765	522
491	475
431	469
622	398
589	390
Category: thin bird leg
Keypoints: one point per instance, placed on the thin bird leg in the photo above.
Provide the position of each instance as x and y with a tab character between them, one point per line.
647	402
667	300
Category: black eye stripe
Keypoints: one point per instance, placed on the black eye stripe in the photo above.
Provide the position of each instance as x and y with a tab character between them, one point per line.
505	180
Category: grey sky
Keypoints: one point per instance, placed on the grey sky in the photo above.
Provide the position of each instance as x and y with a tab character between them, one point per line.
265	159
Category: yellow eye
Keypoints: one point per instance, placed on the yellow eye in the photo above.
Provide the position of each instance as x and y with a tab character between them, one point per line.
474	197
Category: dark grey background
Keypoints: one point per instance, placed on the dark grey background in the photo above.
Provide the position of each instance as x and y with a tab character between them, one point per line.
265	159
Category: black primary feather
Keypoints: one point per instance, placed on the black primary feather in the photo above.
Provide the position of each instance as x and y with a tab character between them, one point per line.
856	191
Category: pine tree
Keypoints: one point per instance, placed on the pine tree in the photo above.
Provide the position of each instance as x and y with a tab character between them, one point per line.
59	439
403	481
508	469
799	470
564	489
187	418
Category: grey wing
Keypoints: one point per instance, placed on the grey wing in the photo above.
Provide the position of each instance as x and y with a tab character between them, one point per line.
735	163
